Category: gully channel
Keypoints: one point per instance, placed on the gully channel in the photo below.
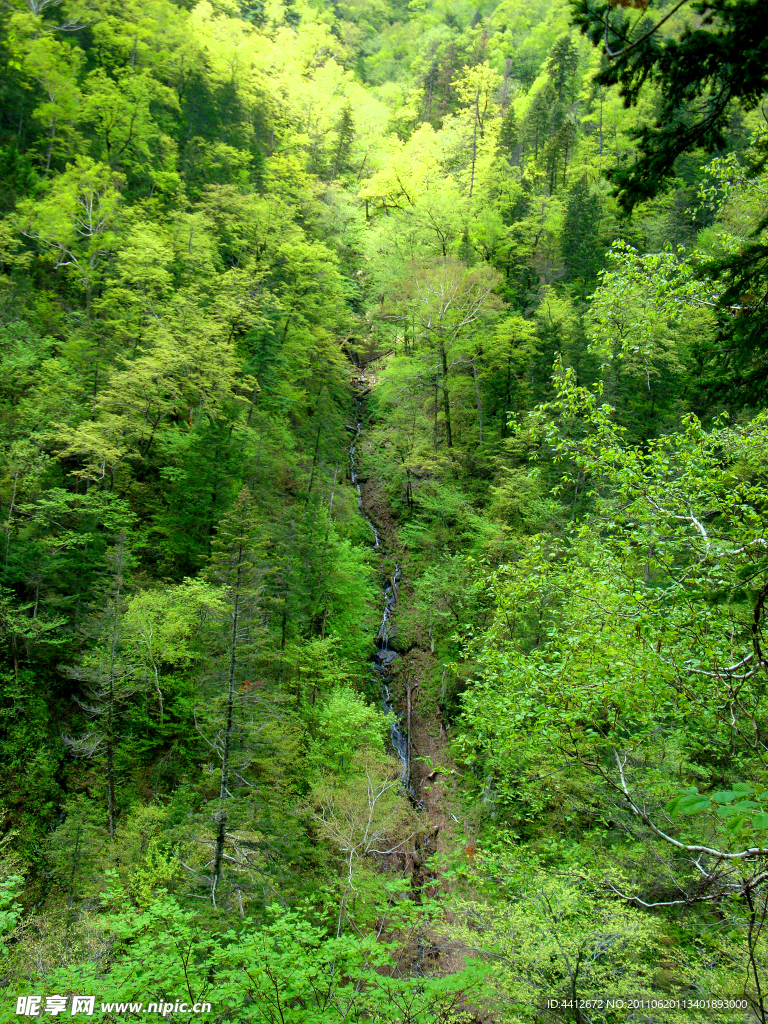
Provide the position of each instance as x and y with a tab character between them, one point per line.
384	658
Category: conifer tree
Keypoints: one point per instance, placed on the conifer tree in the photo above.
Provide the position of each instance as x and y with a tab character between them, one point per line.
581	233
345	133
713	55
106	671
561	66
236	567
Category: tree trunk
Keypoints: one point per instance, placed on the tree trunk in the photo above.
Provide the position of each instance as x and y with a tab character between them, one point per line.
474	147
446	399
479	403
252	405
75	859
314	461
10	514
284	623
50	147
111	690
322	557
408	727
508	397
214	499
221	814
600	142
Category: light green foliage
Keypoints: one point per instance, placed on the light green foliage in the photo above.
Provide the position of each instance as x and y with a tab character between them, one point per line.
564	936
76	225
554	937
647	314
363	811
638	599
741	808
287	968
161	629
345	724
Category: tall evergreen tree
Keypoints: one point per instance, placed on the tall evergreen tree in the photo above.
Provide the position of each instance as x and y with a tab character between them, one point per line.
582	250
717	57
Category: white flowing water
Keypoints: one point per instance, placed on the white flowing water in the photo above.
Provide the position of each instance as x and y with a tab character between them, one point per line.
384	657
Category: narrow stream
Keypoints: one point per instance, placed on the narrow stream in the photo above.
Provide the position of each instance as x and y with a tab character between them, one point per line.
384	657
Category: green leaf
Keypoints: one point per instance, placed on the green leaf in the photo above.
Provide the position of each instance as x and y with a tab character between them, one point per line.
676	803
725	796
694	806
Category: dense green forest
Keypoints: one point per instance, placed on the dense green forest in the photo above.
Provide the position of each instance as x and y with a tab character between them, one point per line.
383	510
